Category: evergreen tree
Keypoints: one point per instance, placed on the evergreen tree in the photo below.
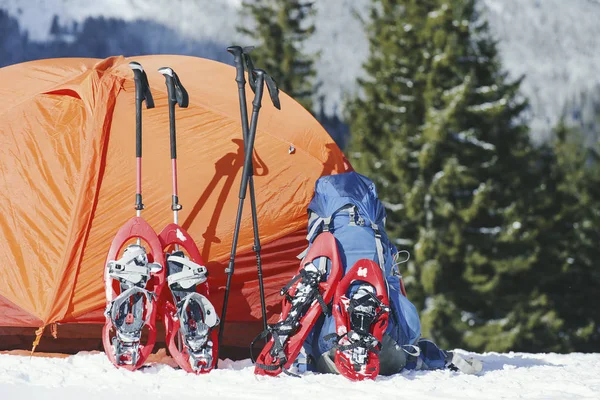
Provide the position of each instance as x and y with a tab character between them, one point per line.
279	29
438	126
568	238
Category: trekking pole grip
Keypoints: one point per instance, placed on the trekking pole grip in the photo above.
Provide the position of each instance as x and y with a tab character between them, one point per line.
142	87
237	52
176	94
259	75
142	92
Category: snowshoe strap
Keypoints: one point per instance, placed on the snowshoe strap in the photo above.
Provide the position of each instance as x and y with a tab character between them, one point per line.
191	274
126	270
306	278
286	288
368	342
260	336
130	273
121	303
131	253
208	310
277	348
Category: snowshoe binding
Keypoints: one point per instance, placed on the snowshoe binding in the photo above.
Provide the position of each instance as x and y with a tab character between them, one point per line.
307	296
361	320
191	318
133	283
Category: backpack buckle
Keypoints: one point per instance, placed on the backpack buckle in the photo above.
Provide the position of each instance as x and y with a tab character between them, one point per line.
376	230
326	224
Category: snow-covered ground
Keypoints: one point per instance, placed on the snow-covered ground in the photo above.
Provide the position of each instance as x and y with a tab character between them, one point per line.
90	376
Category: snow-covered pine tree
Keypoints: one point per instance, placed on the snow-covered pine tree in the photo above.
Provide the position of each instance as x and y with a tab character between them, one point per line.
278	29
385	118
561	317
438	126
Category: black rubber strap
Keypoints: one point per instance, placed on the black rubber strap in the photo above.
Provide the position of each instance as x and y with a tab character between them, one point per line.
273	367
260	336
290	283
323	305
334	336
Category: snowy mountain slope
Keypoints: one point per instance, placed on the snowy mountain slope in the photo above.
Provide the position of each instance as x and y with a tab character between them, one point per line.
555	43
91	376
193	18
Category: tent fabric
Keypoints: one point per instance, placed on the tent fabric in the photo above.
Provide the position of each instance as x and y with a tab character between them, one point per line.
67	180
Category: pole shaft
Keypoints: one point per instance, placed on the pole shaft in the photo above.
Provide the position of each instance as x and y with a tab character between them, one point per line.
257	249
138	153
256	104
172	128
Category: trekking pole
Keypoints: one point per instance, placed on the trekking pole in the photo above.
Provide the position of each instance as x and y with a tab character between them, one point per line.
142	92
177	95
237	53
260	77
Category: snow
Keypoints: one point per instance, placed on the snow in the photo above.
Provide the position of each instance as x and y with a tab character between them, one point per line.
490	231
465	137
392	206
438	175
488	106
91	376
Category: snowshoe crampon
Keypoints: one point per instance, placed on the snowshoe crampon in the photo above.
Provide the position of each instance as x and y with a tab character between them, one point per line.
190	318
361	320
133	283
306	297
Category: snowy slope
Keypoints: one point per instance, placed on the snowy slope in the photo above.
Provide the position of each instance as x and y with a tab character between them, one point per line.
555	43
91	377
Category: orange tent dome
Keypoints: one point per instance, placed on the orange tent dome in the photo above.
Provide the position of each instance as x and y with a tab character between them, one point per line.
67	181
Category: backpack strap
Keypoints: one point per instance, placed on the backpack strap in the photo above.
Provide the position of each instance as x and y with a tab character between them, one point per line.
320	221
317	222
379	246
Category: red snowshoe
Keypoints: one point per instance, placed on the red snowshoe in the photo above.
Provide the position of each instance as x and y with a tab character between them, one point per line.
190	318
133	284
306	297
360	320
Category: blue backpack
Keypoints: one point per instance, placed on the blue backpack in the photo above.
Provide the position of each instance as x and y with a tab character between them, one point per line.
347	206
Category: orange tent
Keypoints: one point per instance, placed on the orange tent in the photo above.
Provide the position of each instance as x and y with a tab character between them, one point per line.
67	182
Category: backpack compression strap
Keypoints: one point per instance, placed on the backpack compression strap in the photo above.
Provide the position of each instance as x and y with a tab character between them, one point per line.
325	222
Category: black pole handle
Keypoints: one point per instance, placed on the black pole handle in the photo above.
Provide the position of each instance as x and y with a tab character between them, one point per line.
250	68
237	52
176	94
142	92
273	91
176	91
142	87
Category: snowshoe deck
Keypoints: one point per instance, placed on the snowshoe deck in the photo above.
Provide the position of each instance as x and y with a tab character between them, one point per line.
360	320
133	283
307	296
190	318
